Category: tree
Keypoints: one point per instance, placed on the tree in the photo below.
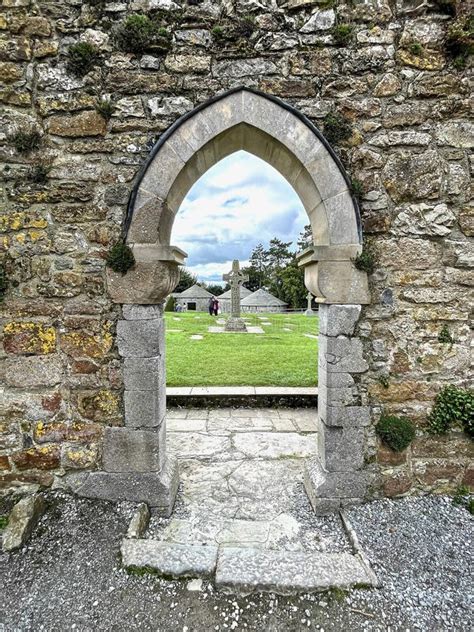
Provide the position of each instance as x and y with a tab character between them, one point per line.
258	264
253	283
305	239
215	289
293	289
278	256
186	279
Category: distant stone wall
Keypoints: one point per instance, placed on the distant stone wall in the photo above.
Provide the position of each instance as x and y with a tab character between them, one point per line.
389	73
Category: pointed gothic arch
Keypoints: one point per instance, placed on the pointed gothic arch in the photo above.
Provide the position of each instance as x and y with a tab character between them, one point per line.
135	464
278	134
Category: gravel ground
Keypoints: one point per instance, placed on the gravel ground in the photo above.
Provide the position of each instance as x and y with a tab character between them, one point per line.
69	578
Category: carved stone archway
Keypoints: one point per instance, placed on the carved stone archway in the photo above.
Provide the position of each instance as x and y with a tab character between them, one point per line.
135	462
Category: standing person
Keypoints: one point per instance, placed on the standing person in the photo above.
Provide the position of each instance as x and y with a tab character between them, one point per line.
211	305
216	307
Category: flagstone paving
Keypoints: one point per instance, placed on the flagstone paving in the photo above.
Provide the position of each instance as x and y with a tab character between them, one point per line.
241	497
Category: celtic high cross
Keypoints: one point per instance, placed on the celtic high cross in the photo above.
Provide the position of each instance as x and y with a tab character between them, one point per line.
235	277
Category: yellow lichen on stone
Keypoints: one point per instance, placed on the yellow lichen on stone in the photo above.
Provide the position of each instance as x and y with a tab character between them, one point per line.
30	337
107	402
17	221
429	60
80	344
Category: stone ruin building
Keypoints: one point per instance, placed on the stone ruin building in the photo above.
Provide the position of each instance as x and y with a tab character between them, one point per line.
363	105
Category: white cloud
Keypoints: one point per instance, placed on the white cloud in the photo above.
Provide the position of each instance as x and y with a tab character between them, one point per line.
238	203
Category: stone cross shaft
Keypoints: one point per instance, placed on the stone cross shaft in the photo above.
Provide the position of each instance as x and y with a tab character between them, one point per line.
235	277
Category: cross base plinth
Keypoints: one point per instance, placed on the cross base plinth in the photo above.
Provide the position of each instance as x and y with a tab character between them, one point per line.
235	324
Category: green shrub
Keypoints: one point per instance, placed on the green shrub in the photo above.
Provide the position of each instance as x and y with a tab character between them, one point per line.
25	140
246	26
3	522
137	33
336	128
416	48
357	188
463	498
342	34
39	174
454	406
170	304
105	108
459	42
217	32
120	258
3	282
365	261
82	57
396	432
445	336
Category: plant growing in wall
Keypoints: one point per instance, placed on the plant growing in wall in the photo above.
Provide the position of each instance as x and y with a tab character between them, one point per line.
336	128
25	140
82	57
365	261
245	26
454	406
396	432
459	42
342	34
120	258
138	33
217	32
416	49
105	108
445	336
39	173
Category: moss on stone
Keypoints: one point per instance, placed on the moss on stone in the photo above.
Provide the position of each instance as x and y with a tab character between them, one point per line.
82	57
120	258
25	140
396	432
336	128
342	34
138	33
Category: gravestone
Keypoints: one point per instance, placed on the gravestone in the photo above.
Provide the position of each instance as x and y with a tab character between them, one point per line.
309	311
235	277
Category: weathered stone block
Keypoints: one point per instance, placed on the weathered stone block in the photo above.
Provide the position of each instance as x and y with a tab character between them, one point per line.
42	458
144	409
156	489
337	396
338	320
356	416
145	374
142	312
335	380
29	338
139	522
169	559
337	485
21	522
140	338
33	371
341	355
341	449
87	123
130	450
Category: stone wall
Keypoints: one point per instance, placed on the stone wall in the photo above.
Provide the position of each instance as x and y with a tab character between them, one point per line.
64	201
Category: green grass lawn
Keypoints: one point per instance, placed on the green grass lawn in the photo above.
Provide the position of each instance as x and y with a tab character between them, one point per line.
282	356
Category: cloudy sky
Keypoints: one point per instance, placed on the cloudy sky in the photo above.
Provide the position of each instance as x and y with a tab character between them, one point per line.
238	203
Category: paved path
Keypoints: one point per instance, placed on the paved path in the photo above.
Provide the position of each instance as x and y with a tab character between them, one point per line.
242	515
241	474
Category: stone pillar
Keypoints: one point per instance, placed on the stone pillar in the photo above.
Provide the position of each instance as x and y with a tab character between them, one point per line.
338	477
135	464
